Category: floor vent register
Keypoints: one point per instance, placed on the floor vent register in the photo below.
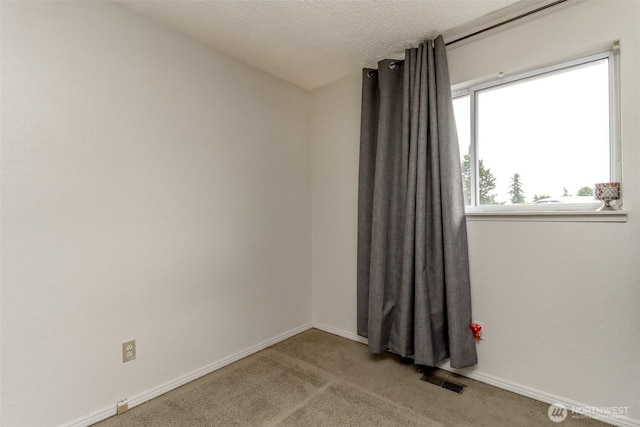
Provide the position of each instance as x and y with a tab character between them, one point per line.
437	377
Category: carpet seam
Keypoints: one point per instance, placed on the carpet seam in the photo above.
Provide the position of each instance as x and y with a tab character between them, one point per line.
336	379
300	405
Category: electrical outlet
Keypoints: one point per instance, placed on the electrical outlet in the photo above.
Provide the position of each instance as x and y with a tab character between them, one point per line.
483	335
128	351
122	406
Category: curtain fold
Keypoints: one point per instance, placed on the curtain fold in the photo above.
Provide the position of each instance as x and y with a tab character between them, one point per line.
413	266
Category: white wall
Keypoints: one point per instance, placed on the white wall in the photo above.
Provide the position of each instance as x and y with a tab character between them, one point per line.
560	300
152	189
156	190
335	135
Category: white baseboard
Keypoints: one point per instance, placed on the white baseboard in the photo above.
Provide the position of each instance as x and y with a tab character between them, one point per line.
522	390
535	394
164	388
137	400
341	333
484	378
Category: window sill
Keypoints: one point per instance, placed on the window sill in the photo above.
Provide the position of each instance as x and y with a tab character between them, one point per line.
547	216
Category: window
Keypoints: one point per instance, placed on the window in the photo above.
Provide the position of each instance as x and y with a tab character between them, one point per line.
540	139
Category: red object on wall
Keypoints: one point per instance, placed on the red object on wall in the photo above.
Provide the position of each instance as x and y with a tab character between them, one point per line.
476	331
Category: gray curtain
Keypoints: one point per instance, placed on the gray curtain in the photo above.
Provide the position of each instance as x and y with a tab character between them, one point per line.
413	265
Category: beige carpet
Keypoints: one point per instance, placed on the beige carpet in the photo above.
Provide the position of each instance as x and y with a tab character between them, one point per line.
319	379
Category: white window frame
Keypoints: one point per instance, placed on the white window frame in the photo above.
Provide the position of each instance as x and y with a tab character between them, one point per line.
564	211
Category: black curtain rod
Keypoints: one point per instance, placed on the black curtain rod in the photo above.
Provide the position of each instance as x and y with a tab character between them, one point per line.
515	18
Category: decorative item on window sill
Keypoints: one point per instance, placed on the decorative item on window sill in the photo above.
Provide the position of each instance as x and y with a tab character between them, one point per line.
607	192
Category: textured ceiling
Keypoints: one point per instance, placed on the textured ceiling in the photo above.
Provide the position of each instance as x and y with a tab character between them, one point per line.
313	43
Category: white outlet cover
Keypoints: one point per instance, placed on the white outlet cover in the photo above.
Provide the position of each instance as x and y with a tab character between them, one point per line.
128	351
483	335
122	407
